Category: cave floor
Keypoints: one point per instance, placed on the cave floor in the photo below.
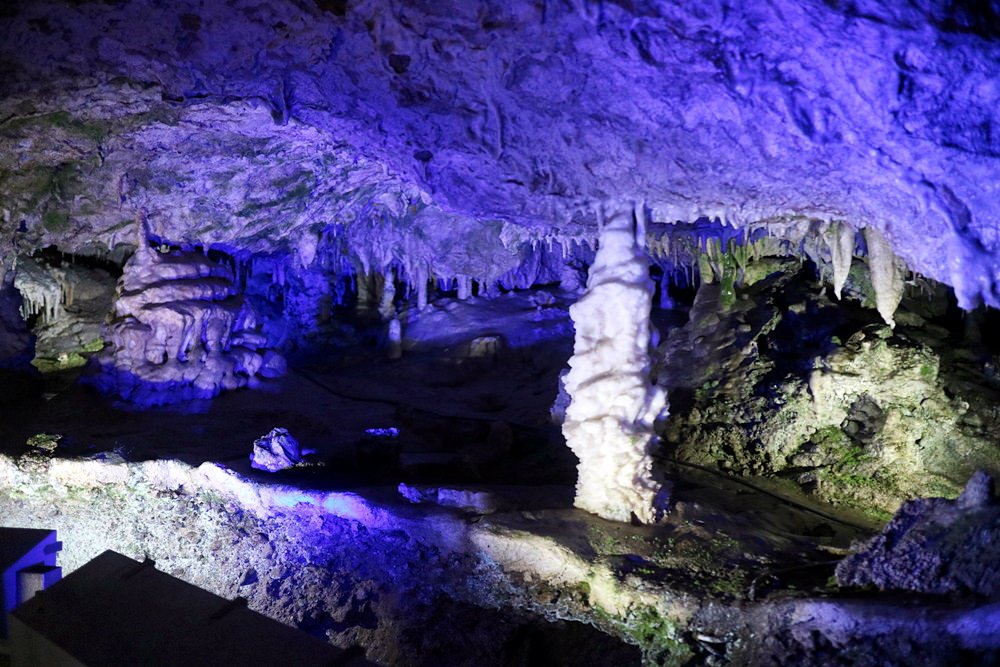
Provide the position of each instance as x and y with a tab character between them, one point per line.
477	445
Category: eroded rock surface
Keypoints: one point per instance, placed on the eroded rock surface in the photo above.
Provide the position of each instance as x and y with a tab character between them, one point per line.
934	545
787	383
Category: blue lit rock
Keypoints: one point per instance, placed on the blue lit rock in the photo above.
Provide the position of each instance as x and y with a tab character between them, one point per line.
276	451
936	546
180	330
258	125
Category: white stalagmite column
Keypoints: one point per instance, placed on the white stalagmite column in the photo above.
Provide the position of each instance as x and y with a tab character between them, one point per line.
421	289
464	290
609	421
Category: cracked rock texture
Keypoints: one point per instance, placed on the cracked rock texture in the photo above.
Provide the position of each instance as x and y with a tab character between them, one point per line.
257	125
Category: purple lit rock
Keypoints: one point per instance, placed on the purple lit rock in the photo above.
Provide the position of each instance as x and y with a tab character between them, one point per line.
444	136
935	546
180	331
276	451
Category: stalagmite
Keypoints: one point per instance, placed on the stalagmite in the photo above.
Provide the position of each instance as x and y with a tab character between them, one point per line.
886	274
366	287
842	249
395	335
609	421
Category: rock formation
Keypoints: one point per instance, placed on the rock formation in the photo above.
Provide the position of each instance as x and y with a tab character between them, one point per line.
609	420
261	126
180	330
936	546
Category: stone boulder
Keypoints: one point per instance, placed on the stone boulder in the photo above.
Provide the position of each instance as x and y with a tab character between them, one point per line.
935	546
276	451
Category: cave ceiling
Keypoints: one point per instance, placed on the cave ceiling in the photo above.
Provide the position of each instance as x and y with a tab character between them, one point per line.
455	130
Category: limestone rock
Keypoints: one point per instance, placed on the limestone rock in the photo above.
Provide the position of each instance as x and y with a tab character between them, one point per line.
935	546
869	421
181	330
276	451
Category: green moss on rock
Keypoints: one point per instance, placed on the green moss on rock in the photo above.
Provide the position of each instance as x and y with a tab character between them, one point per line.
56	221
92	130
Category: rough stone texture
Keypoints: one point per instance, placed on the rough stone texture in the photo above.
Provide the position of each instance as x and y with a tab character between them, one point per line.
411	587
83	299
181	330
257	125
787	383
276	451
934	545
417	585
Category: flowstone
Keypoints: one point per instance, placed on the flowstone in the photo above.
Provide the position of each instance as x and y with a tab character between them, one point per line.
609	420
181	330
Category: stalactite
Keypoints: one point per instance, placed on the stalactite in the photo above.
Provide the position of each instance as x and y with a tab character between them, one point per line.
42	294
841	241
387	307
886	274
